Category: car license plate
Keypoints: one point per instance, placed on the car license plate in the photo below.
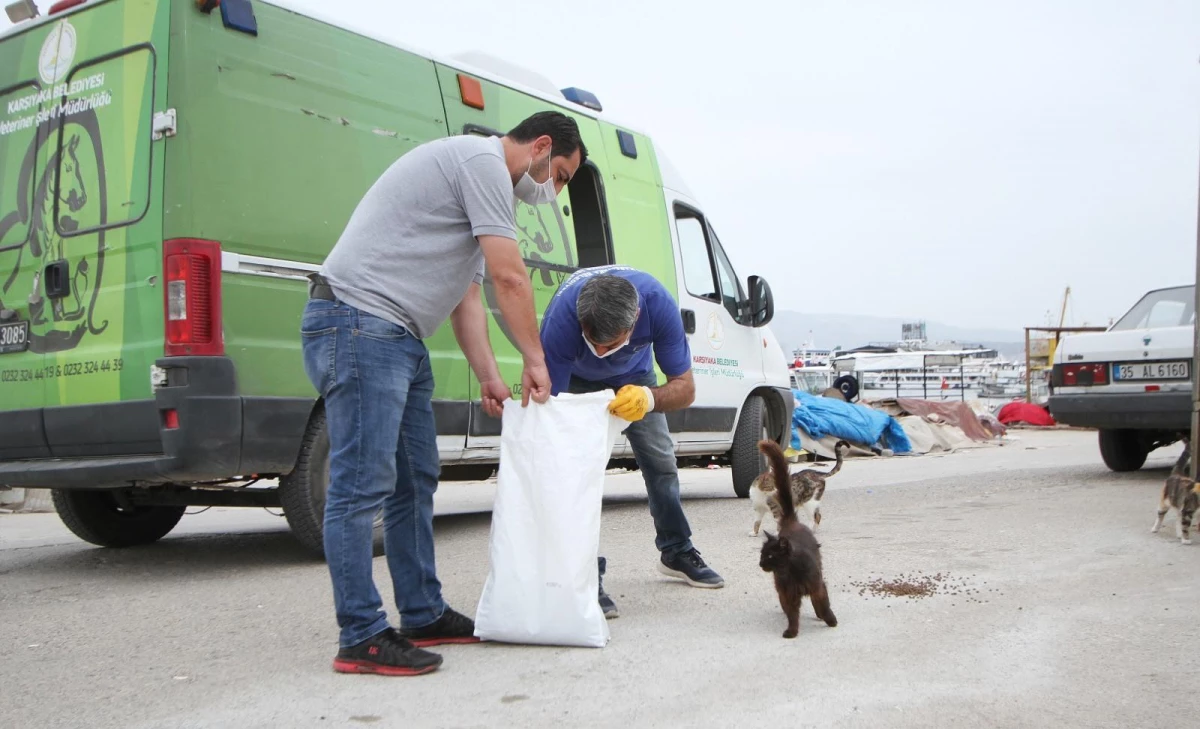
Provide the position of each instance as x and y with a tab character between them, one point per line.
1151	371
14	337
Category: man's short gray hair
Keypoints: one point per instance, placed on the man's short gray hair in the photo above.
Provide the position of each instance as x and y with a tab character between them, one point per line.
607	308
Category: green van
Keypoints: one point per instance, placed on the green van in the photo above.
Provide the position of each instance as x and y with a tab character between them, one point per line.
170	173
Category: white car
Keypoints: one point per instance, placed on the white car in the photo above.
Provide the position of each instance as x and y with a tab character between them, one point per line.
1132	382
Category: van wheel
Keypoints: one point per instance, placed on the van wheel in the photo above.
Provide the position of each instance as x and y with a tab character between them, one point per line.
1122	450
748	462
302	492
99	518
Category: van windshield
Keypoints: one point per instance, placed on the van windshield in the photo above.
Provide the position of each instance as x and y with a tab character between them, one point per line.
1174	307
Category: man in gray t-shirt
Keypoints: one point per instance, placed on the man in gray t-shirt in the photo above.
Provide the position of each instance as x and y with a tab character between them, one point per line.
410	250
412	255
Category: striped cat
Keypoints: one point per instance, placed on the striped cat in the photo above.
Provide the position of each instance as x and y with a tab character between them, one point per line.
808	486
1180	493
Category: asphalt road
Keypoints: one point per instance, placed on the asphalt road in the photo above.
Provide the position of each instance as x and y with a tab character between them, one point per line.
1057	607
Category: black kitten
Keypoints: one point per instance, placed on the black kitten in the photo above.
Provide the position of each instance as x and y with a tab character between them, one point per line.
794	557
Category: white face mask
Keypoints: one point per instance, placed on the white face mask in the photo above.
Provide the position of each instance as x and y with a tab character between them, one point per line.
536	193
609	352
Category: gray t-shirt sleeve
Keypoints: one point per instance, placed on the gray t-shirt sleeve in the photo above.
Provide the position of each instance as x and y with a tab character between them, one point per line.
487	196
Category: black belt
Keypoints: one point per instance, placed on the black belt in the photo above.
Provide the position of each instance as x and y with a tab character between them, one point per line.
318	288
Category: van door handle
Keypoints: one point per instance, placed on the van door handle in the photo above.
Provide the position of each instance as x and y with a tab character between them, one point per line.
58	279
689	320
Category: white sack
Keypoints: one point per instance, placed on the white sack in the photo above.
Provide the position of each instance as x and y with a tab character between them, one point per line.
545	537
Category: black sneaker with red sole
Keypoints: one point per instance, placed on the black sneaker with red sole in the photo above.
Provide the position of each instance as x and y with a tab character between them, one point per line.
386	654
453	627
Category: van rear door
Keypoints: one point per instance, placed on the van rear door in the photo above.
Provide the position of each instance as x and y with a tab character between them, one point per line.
81	207
21	384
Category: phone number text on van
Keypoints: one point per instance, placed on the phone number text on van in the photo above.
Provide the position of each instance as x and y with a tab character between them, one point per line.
71	369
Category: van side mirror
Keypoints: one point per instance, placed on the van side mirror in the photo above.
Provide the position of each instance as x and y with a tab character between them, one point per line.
762	303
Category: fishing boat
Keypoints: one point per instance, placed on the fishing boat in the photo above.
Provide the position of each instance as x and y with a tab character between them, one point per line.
813	380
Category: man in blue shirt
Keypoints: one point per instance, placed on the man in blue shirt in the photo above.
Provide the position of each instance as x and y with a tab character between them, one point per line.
597	334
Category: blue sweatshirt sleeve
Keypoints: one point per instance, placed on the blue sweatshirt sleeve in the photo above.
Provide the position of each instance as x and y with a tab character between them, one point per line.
560	343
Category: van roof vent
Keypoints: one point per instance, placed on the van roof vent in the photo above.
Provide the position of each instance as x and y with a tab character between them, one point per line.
507	70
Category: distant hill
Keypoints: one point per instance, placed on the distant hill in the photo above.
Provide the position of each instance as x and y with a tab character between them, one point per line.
793	328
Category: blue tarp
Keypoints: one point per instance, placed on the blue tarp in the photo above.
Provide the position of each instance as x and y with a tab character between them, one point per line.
822	416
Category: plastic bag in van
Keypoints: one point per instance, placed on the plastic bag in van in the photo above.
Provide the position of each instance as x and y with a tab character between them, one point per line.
543	582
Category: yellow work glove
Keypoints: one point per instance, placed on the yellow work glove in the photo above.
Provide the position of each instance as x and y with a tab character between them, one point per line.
632	402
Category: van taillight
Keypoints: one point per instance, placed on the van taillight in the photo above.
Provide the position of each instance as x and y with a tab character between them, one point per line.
192	297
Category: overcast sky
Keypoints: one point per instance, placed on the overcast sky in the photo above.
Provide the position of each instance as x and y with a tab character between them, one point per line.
954	160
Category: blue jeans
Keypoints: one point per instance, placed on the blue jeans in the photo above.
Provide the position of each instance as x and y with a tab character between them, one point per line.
655	456
377	385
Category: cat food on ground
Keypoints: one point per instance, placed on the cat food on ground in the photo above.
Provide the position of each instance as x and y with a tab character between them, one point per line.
919	585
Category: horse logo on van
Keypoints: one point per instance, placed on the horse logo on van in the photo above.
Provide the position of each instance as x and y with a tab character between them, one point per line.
67	195
539	244
544	245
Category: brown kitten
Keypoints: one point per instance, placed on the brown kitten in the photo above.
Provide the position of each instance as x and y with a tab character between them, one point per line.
794	557
808	486
1180	493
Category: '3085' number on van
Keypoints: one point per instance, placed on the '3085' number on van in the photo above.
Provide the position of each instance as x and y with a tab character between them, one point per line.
14	337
